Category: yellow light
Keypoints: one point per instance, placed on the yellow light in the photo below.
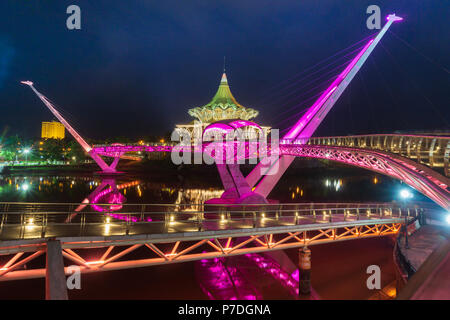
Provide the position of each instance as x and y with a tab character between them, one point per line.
392	292
95	262
172	218
375	180
30	221
108	219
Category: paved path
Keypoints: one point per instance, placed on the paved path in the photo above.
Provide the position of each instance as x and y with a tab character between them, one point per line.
421	244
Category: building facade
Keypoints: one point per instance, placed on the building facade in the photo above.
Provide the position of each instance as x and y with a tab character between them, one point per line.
52	130
223	106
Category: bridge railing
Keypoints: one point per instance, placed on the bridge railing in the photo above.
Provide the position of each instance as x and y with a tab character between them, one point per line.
433	151
38	219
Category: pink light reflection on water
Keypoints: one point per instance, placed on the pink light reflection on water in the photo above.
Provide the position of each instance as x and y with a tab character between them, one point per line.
225	282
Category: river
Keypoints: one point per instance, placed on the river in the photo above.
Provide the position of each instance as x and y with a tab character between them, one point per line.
306	182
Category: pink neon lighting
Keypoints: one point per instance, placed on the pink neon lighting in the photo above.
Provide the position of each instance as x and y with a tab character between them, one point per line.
227	127
402	169
216	283
220	282
274	269
315	108
393	17
115	199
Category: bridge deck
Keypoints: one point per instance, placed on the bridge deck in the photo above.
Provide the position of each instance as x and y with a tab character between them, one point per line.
164	237
189	229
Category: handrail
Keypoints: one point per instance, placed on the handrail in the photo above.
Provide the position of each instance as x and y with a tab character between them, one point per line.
415	203
39	220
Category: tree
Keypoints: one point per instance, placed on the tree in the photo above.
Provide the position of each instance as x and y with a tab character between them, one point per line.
52	149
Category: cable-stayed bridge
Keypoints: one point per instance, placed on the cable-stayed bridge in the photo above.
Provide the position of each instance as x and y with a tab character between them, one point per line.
244	221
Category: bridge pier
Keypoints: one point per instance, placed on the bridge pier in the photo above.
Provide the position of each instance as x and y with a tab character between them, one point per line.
304	271
55	279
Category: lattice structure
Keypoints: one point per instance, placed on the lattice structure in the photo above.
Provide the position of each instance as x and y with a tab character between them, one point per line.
433	151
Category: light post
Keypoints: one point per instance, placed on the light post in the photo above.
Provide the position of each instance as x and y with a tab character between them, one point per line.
405	194
26	152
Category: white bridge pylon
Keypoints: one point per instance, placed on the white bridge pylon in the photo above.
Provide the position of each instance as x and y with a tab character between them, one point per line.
86	147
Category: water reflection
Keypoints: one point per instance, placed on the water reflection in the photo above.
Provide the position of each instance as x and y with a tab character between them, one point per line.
103	194
335	184
188	195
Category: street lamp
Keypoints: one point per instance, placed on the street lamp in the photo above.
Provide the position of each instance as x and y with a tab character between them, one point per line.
405	194
26	152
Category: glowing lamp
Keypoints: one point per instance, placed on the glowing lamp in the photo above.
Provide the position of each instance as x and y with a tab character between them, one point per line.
405	194
28	83
95	262
393	17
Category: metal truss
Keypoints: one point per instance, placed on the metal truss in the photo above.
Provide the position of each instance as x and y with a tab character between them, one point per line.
418	176
113	255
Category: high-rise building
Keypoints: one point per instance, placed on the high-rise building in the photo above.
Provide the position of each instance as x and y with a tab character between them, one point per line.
52	130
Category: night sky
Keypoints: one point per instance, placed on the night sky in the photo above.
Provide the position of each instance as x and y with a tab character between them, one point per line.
137	66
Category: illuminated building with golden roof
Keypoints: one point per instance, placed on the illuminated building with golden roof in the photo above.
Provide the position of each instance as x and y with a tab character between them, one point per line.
223	106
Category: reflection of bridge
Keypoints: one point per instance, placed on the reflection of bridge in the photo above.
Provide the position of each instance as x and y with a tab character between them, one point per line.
256	187
236	187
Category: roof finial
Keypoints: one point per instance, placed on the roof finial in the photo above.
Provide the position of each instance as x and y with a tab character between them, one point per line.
224	64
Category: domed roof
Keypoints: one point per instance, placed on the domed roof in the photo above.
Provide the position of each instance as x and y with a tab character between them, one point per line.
222	106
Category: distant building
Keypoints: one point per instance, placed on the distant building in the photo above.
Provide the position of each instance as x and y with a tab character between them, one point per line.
52	130
223	106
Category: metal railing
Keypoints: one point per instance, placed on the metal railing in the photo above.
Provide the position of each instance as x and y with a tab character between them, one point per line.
75	219
433	151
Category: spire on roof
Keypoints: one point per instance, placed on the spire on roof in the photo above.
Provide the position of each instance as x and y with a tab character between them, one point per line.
224	78
222	106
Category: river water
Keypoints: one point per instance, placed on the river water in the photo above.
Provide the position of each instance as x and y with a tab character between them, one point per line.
307	182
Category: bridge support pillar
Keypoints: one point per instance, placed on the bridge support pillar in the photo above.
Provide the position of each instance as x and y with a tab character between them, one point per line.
55	279
304	274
